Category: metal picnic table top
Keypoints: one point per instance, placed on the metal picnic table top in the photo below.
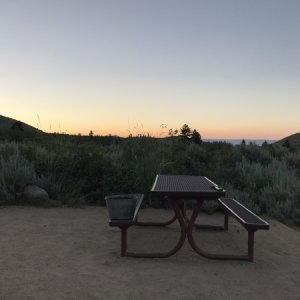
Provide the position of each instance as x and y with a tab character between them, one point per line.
186	187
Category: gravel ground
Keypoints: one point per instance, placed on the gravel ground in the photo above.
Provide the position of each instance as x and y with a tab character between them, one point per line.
72	253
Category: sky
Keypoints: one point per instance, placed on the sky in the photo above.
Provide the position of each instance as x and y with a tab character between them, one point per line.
229	69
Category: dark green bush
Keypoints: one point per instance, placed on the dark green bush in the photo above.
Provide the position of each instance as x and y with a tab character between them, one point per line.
74	169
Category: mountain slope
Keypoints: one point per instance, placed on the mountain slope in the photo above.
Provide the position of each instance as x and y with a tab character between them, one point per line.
293	140
9	123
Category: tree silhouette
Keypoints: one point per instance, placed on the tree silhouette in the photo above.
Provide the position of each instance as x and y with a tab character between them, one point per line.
172	132
185	131
196	137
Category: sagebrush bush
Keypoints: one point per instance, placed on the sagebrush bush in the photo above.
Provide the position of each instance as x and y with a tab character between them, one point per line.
15	172
75	169
272	188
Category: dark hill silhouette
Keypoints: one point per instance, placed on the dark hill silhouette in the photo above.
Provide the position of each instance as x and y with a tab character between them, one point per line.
7	123
292	140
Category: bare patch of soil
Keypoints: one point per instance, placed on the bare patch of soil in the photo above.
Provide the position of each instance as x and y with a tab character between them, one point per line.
72	253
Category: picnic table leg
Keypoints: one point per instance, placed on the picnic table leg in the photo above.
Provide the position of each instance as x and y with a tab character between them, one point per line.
226	218
214	227
179	216
182	206
213	255
165	223
123	240
172	220
251	244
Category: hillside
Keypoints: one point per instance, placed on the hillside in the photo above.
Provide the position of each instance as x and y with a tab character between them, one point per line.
9	123
292	140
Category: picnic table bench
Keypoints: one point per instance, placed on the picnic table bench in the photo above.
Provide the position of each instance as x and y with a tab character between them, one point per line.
123	216
250	221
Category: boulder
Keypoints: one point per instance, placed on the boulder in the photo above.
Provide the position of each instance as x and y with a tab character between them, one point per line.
33	194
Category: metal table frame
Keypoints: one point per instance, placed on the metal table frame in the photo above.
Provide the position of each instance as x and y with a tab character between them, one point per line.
178	189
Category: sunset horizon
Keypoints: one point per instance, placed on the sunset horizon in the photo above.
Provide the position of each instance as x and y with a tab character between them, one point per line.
139	129
228	69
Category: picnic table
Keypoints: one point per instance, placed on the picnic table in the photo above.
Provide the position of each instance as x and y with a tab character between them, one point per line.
178	189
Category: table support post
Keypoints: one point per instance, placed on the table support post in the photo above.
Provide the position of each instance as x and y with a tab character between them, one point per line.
207	254
172	220
226	220
165	223
179	216
123	241
251	244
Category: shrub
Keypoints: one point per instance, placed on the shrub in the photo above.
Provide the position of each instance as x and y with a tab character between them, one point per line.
15	172
73	169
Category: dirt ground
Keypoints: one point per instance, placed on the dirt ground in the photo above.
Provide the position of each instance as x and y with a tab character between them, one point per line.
72	253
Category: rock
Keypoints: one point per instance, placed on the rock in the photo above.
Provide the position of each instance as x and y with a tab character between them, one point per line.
33	194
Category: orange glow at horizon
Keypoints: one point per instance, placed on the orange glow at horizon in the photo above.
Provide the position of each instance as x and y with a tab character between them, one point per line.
211	133
210	127
123	129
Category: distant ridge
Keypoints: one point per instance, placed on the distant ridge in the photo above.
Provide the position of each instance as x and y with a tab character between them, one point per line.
9	123
258	142
292	140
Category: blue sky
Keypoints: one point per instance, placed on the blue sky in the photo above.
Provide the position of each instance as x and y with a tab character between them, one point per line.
230	69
